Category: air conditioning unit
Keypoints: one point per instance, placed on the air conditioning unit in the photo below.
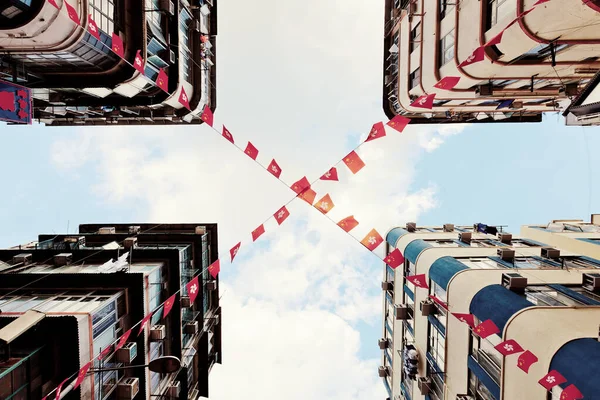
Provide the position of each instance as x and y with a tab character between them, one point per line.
211	285
464	397
514	282
591	282
167	6
130	242
75	239
550	253
448	227
401	311
200	230
186	301
158	332
411	226
23	258
387	285
505	238
174	389
128	388
63	259
427	307
110	230
125	323
383	343
424	384
484	90
127	353
383	371
465	237
191	328
134	229
506	254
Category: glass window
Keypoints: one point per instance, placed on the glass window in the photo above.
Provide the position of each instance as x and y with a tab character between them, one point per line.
445	7
447	48
436	348
496	10
415	78
415	37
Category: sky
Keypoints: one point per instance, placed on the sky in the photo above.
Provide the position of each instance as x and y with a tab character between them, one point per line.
302	81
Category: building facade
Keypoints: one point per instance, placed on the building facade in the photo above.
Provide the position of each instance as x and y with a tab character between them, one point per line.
78	79
543	60
543	296
60	307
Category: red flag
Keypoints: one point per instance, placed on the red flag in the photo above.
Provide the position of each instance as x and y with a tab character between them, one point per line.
138	62
486	328
372	240
301	185
234	250
377	131
227	135
540	2
476	56
348	223
281	215
495	40
552	379
526	360
258	232
59	387
325	204
508	347
353	162
251	151
308	196
207	115
105	352
169	305
215	268
72	13
162	80
447	83
330	175
193	288
425	101
123	340
468	319
524	13
571	393
144	322
274	168
53	2
81	376
203	38
394	259
439	302
183	99
418	280
398	123
117	45
93	28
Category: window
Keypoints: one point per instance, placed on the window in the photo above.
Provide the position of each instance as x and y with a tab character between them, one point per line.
546	296
415	78
539	53
496	10
443	243
445	7
102	11
483	351
447	48
415	37
436	349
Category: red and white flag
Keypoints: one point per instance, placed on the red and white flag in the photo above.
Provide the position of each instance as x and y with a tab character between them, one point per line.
234	250
526	360
394	259
274	168
138	62
398	123
227	135
123	340
425	101
486	328
447	82
509	347
353	162
439	301
117	45
348	223
183	99
301	185
93	28
72	13
372	240
281	215
143	323
59	389
169	305
418	280
53	3
377	131
571	392
251	151
308	196
207	115
495	40
81	375
552	379
468	319
330	175
215	268
325	204
476	56
193	288
162	80
258	232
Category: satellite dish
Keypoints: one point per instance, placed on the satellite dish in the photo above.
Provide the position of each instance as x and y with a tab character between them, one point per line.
165	365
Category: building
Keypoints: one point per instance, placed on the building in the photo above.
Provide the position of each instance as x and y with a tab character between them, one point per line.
542	61
585	108
78	79
542	295
60	307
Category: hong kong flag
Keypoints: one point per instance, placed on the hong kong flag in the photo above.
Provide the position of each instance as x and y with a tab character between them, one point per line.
439	301
398	123
526	360
93	28
486	328
227	135
377	131
117	45
81	375
372	240
308	196
169	305
143	323
274	168
325	204
394	259
418	280
251	151
330	175
509	347
495	40
258	232
552	379
234	250
425	101
571	393
447	83
301	185
53	3
281	215
348	223
468	319
353	162
123	340
193	288
72	13
540	2
138	62
207	115
476	56
162	81
183	99
215	268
